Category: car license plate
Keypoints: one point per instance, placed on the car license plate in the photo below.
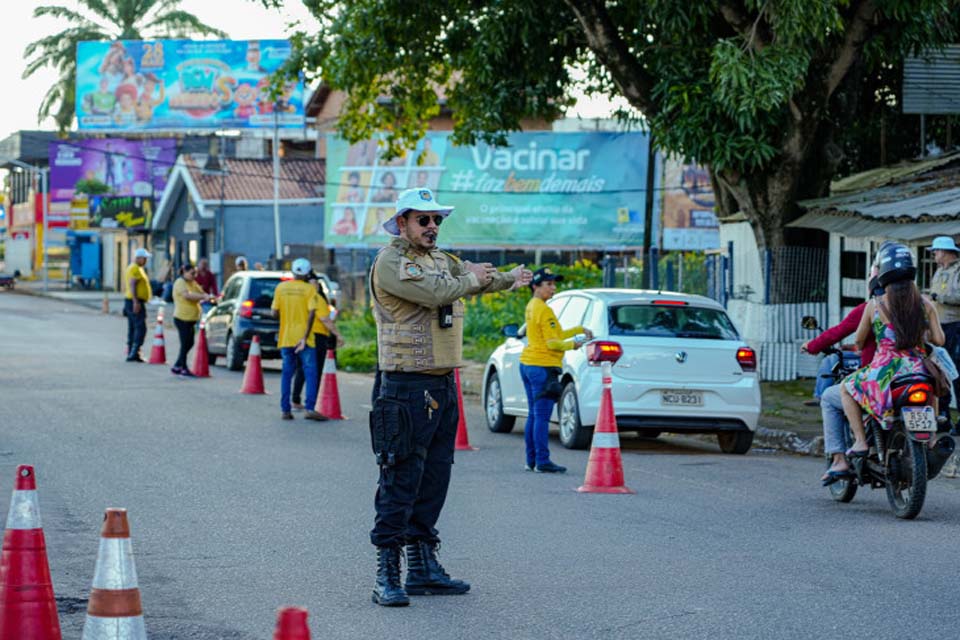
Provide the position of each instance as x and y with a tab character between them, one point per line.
676	397
919	418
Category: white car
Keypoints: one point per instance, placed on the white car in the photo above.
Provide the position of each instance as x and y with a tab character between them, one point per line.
680	366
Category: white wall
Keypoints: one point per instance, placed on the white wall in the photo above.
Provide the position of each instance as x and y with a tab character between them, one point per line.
19	255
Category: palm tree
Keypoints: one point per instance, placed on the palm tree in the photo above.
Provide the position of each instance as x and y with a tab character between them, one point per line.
111	20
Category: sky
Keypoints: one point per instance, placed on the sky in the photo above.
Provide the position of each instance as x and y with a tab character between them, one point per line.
21	98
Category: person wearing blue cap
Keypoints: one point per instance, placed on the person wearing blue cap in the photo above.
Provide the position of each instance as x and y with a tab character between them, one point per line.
945	293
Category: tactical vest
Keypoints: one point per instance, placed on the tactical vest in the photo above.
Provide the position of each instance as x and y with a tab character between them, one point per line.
409	337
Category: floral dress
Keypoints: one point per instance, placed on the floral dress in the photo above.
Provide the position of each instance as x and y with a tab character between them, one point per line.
870	386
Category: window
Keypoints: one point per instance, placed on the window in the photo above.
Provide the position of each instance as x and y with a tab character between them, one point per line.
557	304
261	291
232	290
572	314
671	322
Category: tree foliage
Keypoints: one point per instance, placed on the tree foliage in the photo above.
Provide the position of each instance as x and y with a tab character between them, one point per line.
761	91
100	20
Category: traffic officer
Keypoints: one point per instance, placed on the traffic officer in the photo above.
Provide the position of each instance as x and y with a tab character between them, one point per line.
945	292
416	301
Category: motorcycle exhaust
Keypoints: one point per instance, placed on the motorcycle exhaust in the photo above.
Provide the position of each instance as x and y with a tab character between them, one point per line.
938	455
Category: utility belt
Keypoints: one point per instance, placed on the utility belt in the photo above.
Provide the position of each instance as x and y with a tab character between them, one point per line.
392	430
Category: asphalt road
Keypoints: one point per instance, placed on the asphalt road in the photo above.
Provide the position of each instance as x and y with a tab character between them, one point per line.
235	513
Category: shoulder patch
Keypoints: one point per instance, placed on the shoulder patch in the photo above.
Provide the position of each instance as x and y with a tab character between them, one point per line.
411	271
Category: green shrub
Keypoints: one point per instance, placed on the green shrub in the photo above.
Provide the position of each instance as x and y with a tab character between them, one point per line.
357	358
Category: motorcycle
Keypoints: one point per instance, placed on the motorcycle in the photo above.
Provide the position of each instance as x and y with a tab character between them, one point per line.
900	458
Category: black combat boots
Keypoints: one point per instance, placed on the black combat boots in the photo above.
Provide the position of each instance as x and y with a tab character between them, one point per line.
388	591
425	575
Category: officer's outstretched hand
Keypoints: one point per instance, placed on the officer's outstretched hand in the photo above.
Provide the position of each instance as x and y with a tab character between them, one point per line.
522	276
482	271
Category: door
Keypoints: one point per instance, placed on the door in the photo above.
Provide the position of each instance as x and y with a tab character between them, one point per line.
218	321
514	394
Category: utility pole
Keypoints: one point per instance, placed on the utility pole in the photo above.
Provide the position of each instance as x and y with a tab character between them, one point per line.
276	188
646	278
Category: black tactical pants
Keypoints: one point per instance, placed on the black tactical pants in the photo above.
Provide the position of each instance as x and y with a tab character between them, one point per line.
411	493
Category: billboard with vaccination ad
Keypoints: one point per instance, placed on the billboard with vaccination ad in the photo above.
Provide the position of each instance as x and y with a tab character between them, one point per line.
564	190
174	85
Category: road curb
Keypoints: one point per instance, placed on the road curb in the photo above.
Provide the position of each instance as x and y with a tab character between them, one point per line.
788	441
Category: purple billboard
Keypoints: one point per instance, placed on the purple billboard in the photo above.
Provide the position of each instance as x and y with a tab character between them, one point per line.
126	167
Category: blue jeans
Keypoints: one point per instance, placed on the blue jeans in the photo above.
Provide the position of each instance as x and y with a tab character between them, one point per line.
308	362
835	432
536	434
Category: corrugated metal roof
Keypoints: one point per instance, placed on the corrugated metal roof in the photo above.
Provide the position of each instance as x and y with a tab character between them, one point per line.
931	82
854	226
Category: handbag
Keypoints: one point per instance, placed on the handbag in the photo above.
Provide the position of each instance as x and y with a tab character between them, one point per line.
946	362
937	371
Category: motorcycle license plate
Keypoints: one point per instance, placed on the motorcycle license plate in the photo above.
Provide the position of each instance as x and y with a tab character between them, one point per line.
679	397
919	418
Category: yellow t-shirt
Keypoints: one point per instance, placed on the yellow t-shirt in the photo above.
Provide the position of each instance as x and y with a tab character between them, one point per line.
136	272
294	299
323	311
546	339
184	309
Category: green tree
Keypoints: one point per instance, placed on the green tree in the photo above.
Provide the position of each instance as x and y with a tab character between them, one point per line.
758	90
101	20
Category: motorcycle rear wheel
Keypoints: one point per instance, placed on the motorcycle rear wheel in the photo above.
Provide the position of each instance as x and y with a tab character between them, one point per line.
843	490
906	480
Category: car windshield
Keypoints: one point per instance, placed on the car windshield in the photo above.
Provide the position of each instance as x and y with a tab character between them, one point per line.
261	291
671	322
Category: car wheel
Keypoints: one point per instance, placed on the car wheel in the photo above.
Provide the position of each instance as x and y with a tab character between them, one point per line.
735	441
497	420
573	435
234	357
211	359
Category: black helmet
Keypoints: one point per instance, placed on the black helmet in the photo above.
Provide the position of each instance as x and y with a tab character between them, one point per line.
896	263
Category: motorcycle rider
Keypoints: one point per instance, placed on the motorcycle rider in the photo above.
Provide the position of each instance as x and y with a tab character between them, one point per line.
831	407
900	319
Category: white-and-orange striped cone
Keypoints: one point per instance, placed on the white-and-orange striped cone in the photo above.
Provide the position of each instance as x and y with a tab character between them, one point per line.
115	611
328	403
463	439
158	354
253	374
201	359
28	610
605	466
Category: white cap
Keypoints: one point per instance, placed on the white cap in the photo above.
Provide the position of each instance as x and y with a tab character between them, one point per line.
239	260
301	266
944	243
141	253
419	199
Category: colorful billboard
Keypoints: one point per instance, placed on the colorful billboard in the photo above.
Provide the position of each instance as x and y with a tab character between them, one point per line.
127	167
544	189
125	212
172	85
689	218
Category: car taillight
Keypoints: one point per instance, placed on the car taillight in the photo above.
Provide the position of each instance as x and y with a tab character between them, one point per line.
246	309
747	358
918	394
603	351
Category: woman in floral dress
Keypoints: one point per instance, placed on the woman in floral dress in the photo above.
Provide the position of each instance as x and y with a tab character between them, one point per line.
901	320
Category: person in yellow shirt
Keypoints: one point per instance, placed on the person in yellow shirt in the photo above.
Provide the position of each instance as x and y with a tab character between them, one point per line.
325	336
187	296
540	367
135	304
295	303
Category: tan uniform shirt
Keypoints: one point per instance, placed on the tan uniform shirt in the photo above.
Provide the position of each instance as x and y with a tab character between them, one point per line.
946	284
409	288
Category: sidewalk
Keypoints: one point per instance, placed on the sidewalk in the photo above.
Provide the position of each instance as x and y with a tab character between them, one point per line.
90	299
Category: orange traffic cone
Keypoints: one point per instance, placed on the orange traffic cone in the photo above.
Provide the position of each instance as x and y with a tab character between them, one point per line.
28	610
605	467
158	354
329	401
201	359
114	610
253	374
292	624
463	440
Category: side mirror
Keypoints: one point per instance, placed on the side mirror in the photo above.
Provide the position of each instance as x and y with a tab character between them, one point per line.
510	330
809	322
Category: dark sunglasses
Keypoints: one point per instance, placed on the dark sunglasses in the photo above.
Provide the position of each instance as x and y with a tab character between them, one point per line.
425	220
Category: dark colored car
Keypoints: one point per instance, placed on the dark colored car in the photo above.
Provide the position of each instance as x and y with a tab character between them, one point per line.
243	311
